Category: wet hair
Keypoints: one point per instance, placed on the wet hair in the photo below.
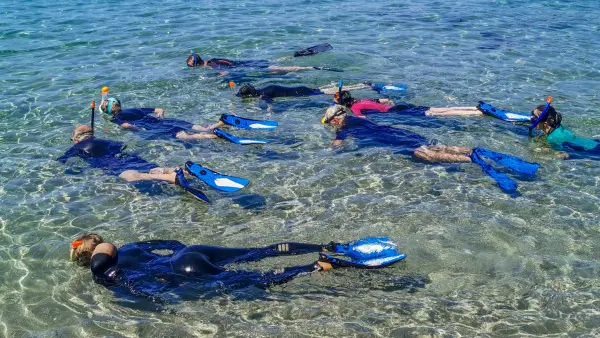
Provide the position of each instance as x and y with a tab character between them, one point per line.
346	98
248	90
193	63
553	118
83	253
81	133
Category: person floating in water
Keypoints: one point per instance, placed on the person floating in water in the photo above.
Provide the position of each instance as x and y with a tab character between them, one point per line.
273	91
141	269
361	108
110	156
222	64
155	126
367	133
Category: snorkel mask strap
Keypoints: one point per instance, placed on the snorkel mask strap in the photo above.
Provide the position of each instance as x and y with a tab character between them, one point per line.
195	58
543	115
110	103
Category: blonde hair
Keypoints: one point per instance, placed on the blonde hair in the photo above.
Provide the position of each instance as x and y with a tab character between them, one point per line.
83	253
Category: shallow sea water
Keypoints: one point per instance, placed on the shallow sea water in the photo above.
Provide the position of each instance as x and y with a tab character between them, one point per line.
498	265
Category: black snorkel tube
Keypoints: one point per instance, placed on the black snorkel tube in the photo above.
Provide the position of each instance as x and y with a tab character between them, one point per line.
93	108
542	116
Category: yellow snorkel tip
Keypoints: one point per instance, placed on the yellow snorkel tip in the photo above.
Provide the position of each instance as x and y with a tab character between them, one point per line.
105	90
323	120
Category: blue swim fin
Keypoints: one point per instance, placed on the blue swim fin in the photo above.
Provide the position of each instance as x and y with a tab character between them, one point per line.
182	182
320	48
505	183
243	123
237	140
509	161
384	89
503	114
366	253
216	180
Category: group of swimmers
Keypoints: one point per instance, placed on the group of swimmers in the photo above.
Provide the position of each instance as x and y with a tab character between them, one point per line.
142	271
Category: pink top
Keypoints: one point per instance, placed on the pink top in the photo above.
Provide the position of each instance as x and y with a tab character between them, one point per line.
361	105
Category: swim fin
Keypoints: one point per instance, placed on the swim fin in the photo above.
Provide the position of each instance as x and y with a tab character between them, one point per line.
243	123
182	182
370	252
389	89
503	114
509	161
216	180
331	69
504	182
324	47
237	140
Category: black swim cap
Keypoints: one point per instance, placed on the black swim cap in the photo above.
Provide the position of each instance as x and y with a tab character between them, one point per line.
248	90
553	118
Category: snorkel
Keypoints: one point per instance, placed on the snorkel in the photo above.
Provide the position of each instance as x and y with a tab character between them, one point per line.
93	108
196	58
543	116
110	103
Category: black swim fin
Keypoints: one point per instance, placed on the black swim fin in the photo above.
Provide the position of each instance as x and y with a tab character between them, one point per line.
324	47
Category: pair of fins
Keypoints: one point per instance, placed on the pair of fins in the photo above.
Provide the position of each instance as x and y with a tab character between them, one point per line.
365	253
212	178
512	162
392	89
243	123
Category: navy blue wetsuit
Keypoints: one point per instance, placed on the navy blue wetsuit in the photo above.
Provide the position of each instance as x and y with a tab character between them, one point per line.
139	269
107	155
273	91
220	63
369	134
155	127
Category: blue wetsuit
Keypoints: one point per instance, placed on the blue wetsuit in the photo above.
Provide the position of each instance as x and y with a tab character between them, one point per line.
107	155
370	134
154	127
139	269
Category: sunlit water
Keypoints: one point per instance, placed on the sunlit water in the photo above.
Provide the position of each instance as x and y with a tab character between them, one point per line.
497	265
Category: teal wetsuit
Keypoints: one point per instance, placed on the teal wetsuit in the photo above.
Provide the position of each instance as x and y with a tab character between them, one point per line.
563	139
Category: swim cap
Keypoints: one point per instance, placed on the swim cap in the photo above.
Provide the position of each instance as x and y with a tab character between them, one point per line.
248	90
333	112
109	105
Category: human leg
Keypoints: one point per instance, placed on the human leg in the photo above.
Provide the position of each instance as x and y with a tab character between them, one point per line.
158	175
453	111
443	154
182	135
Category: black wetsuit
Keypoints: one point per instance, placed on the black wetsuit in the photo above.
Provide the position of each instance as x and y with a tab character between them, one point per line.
107	155
220	63
273	91
139	269
369	134
154	127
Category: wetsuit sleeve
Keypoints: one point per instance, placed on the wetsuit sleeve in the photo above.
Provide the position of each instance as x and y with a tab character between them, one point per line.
70	153
341	134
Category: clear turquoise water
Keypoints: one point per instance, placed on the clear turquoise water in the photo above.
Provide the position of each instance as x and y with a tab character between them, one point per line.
497	265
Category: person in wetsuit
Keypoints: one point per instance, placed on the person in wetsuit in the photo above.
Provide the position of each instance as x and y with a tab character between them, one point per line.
562	139
151	120
108	155
140	268
409	143
361	108
273	91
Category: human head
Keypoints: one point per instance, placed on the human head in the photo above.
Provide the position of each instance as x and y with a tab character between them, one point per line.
83	247
346	98
334	115
111	106
194	60
81	133
550	122
248	90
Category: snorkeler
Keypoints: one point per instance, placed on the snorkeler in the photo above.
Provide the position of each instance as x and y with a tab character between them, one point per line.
160	268
367	133
109	156
194	60
272	91
151	120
